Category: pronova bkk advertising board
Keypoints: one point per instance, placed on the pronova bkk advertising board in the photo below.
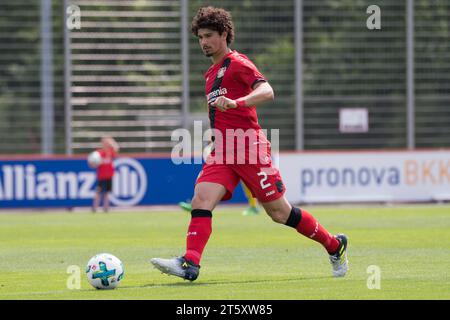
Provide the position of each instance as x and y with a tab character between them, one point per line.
70	182
315	177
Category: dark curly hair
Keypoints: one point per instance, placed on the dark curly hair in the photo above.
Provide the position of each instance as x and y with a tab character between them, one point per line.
216	19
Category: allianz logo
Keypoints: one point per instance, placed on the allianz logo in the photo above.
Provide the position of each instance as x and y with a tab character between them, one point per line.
22	182
129	182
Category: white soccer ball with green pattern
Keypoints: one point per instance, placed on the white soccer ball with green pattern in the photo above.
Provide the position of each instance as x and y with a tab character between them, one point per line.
104	271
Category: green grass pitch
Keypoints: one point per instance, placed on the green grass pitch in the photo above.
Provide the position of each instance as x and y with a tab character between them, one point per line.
246	257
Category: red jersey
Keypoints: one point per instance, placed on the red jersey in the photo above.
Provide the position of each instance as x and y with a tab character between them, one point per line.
233	77
105	171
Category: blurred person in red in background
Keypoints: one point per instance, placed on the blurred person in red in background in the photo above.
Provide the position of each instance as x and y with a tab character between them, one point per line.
105	173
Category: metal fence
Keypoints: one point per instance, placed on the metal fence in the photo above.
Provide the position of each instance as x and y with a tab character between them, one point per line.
126	75
432	73
22	82
133	71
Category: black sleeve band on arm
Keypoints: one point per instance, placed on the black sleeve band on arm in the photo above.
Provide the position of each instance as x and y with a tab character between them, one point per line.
294	218
257	81
196	213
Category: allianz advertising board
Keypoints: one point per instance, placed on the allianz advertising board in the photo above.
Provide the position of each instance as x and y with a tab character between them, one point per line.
71	182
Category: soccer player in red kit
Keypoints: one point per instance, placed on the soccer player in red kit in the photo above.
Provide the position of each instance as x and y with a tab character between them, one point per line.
105	173
234	87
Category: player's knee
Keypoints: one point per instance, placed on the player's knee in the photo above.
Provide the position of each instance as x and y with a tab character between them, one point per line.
202	202
277	215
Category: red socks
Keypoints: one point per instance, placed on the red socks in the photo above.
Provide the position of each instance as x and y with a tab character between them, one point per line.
200	229
198	234
308	226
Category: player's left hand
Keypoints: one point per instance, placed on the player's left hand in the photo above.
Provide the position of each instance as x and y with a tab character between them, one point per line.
223	103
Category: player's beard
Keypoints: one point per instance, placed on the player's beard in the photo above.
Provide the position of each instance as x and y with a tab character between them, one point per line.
208	53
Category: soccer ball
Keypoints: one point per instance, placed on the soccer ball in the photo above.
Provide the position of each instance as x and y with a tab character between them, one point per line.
104	271
94	159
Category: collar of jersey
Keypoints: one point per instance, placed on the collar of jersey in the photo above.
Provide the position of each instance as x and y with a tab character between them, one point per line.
218	64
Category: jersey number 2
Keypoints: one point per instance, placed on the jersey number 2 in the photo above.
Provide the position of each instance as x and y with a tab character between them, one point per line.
263	180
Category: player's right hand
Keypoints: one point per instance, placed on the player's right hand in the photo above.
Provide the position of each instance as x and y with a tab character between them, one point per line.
223	103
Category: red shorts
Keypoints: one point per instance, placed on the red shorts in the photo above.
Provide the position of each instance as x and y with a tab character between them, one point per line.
263	180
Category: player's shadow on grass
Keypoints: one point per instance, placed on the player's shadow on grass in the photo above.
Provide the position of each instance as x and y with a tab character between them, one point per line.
202	283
